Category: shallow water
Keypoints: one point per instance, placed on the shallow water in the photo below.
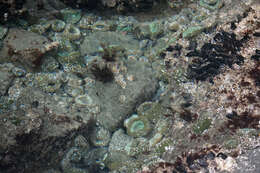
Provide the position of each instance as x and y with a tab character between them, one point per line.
155	90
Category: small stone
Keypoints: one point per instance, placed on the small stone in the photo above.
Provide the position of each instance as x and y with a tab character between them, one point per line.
174	26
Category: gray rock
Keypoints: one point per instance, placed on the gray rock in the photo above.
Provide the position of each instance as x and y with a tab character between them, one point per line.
114	109
249	162
24	47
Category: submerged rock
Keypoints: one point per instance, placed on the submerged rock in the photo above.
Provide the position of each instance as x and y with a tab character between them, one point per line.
25	47
135	91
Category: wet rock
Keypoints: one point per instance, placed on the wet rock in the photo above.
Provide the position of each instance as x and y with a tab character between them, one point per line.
48	82
74	155
49	64
113	112
25	47
151	110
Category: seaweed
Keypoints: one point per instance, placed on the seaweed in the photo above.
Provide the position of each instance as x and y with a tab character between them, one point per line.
175	50
256	57
213	56
244	120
